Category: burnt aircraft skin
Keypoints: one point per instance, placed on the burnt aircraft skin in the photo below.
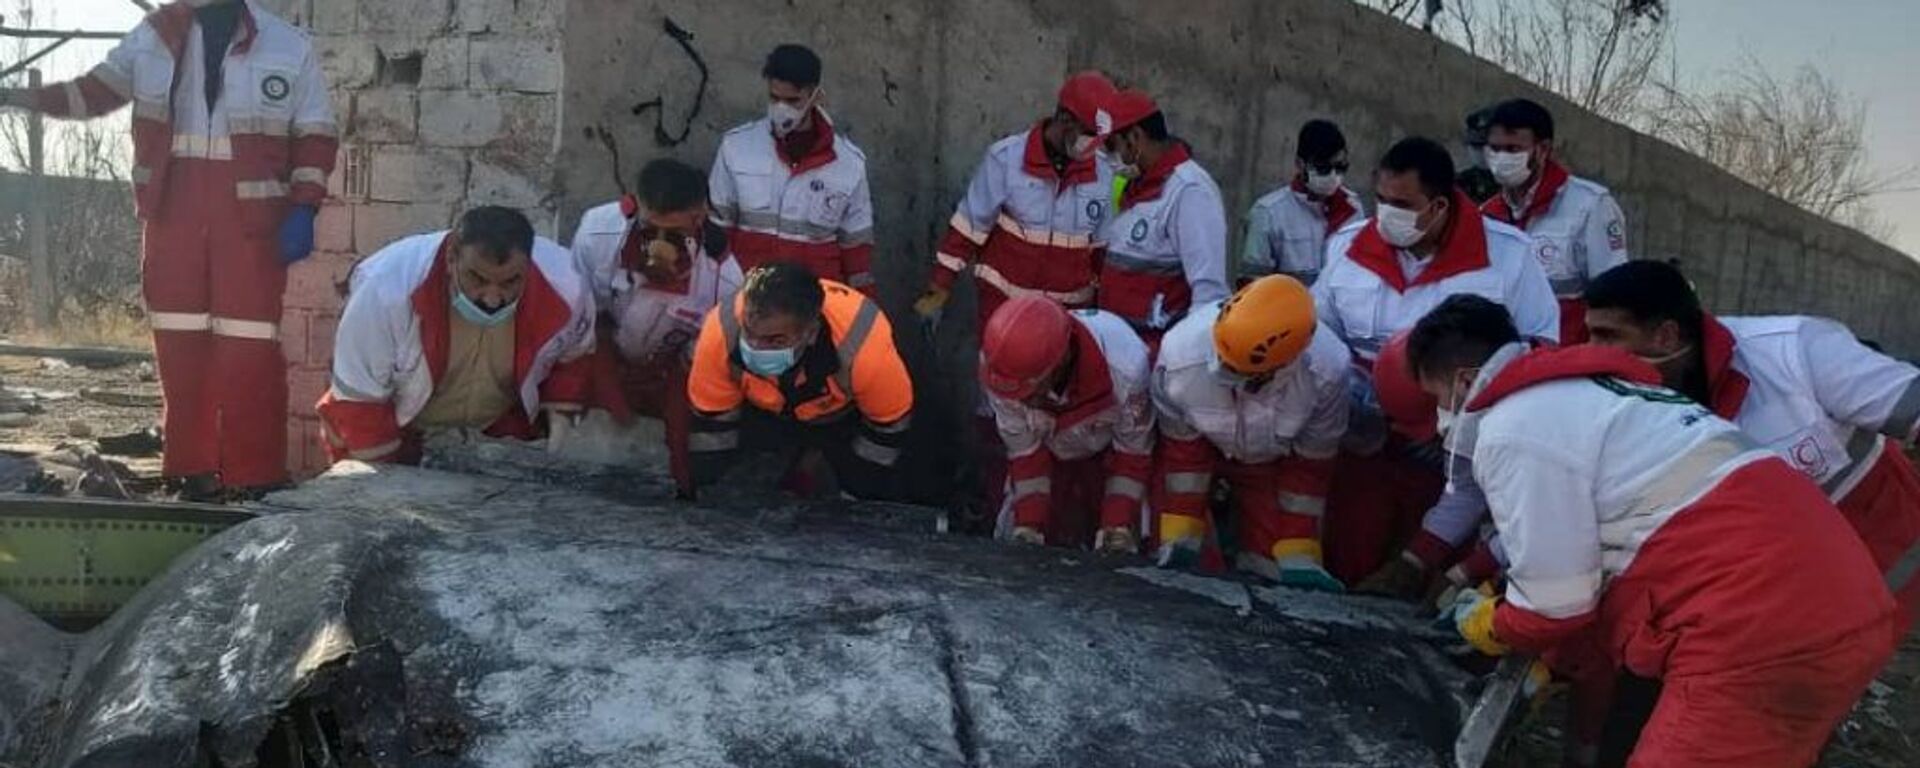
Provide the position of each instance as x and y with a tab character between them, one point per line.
417	618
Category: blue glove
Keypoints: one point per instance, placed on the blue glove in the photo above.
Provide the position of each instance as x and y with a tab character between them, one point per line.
296	234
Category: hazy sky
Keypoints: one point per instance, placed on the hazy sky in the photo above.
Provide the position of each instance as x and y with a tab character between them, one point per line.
1865	45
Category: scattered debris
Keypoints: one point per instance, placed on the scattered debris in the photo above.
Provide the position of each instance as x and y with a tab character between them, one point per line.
121	399
143	442
91	357
79	429
15	420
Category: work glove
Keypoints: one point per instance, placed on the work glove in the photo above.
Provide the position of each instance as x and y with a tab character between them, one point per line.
296	234
1399	578
1443	591
1023	534
931	302
1117	540
1472	616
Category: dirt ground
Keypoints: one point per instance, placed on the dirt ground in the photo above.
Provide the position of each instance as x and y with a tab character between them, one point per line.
54	410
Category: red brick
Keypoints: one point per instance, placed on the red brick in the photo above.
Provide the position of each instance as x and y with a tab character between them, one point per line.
320	332
305	385
316	282
293	335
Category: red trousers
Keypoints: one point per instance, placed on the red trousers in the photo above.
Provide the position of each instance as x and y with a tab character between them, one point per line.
1885	509
213	295
1374	508
655	389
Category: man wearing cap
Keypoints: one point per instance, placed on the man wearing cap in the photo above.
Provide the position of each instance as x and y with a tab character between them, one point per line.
1069	392
788	187
1287	229
1029	221
1167	242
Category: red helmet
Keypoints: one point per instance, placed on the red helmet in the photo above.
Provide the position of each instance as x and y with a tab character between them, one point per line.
1084	94
1125	109
1024	342
1408	407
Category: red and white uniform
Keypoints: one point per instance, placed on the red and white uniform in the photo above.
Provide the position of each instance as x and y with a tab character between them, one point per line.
1275	444
642	361
1166	246
1027	228
651	322
1370	291
1104	412
1287	231
1633	513
814	209
1578	232
212	186
391	348
1836	410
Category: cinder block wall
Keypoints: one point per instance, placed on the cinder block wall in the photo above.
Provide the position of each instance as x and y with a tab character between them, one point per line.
549	105
443	105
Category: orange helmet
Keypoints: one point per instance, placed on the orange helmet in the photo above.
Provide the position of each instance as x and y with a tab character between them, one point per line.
1265	326
1408	407
1024	342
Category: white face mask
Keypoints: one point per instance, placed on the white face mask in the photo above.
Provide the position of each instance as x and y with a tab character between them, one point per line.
1456	432
1509	168
1400	227
1323	184
1225	376
786	117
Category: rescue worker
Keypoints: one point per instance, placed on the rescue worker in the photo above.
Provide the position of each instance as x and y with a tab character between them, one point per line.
1635	515
233	138
1167	242
658	264
1287	229
1578	230
1069	393
1426	241
1030	220
788	187
483	327
1801	386
801	361
1252	390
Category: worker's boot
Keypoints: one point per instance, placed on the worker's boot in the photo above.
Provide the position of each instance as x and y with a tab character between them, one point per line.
1118	540
1023	534
203	488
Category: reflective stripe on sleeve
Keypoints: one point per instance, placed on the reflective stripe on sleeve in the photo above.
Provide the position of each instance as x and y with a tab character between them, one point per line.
1188	482
1127	487
180	321
202	147
962	225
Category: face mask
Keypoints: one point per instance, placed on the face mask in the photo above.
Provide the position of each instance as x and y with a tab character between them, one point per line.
767	362
786	117
1323	184
477	315
1509	168
1083	147
1456	440
1400	227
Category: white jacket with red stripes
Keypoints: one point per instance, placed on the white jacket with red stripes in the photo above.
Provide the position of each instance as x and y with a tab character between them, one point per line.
393	338
1166	246
814	209
1301	413
1370	290
1287	231
1628	504
1027	228
273	121
651	322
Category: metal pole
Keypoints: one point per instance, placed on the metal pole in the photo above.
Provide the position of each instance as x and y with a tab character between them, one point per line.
40	261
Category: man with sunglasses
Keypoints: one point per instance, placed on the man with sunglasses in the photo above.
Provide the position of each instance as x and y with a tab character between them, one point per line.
1252	390
1287	229
657	263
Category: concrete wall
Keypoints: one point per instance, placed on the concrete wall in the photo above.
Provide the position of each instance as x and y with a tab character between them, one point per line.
925	85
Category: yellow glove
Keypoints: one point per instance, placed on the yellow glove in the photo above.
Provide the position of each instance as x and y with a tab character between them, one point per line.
932	301
1473	616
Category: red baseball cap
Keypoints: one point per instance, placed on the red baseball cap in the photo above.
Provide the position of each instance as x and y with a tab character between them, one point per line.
1126	108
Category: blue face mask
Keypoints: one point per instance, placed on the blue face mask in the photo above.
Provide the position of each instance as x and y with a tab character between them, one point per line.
474	313
767	362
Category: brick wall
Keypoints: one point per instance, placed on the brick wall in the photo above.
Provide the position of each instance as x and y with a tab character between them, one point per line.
442	105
